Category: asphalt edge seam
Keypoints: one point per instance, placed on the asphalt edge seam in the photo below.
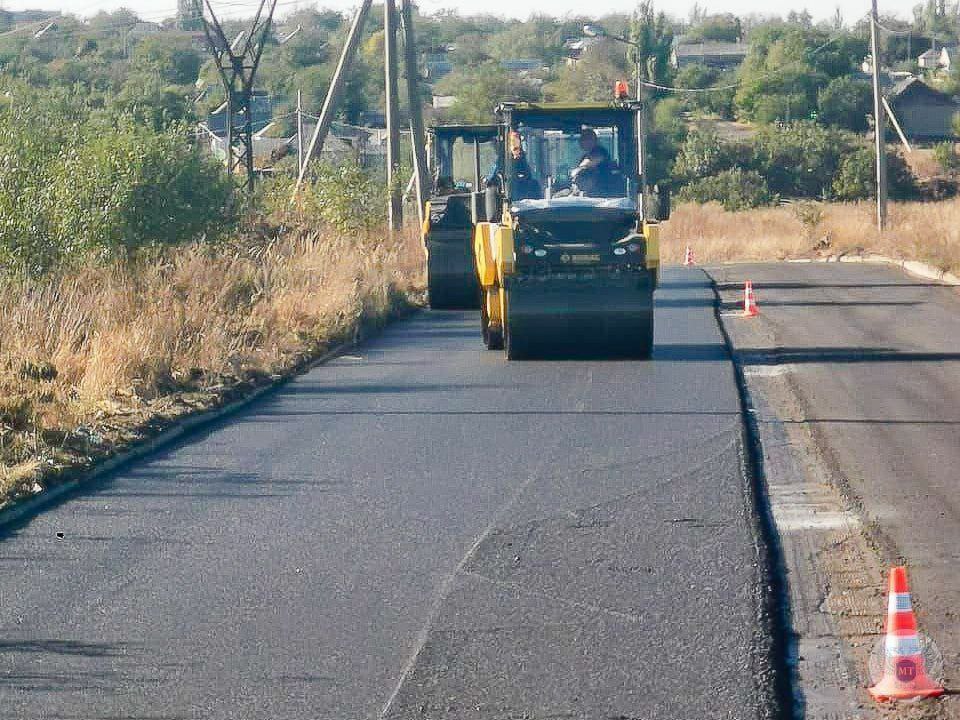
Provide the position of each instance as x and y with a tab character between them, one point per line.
782	649
28	508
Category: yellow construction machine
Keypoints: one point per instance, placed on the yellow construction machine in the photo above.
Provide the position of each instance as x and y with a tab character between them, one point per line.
456	204
566	260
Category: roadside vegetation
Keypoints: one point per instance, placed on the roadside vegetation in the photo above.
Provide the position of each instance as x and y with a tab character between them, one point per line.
928	232
137	287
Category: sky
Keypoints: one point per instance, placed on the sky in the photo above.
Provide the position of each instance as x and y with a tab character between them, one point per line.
819	9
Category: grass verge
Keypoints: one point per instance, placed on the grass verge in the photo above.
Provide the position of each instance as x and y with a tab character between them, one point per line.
104	356
928	232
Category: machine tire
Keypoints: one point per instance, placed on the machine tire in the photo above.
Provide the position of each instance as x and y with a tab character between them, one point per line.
439	296
640	346
514	347
492	339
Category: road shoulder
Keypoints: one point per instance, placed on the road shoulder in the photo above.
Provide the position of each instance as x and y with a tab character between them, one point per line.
832	569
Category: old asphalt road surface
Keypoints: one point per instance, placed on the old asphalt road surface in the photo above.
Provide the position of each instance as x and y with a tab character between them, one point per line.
416	530
870	359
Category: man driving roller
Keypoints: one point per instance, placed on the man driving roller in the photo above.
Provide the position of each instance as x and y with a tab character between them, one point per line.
592	172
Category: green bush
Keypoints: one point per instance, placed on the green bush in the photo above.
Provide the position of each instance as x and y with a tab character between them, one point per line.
121	189
72	185
856	177
947	158
735	189
801	159
701	154
345	197
845	103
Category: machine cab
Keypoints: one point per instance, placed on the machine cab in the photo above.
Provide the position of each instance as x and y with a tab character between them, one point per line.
460	159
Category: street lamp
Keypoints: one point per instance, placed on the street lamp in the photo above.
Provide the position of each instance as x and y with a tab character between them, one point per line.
595	31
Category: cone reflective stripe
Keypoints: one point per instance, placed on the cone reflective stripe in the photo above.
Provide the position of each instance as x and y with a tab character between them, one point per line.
904	674
750	308
688	257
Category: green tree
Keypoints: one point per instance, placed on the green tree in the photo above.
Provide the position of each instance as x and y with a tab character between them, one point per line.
653	32
735	189
592	78
845	102
716	28
479	90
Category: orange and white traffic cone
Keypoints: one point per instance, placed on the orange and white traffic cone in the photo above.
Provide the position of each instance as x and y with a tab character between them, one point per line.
688	257
904	674
750	307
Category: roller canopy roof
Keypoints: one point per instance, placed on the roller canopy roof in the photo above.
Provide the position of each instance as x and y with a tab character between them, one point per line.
483	133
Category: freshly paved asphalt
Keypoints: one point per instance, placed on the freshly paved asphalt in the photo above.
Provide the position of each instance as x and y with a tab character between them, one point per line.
417	530
874	357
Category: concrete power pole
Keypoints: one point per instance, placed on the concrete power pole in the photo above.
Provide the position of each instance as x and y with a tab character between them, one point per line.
879	126
237	63
417	138
334	91
395	203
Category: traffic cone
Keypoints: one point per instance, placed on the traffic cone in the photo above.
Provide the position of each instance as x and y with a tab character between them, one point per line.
750	307
904	675
688	257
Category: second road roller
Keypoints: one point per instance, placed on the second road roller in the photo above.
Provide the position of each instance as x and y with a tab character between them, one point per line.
456	204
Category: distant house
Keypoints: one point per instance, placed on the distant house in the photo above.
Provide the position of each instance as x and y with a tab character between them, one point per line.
720	55
929	60
938	59
924	114
948	57
521	65
442	102
574	48
261	113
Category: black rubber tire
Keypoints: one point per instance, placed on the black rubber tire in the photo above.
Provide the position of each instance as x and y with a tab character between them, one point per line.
492	339
440	297
639	346
516	348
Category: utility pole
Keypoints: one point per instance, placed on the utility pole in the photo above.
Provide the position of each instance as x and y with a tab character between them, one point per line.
299	132
878	123
413	98
334	91
395	203
237	63
642	146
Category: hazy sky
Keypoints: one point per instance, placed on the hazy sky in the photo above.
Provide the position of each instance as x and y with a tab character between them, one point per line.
158	9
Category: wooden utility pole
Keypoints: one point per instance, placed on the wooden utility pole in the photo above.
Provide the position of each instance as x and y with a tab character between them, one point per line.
237	63
417	138
334	91
299	132
879	126
395	203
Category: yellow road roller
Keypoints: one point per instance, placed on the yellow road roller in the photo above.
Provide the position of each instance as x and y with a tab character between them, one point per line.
566	261
459	155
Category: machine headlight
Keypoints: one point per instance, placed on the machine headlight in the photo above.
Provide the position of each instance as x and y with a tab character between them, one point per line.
619	251
540	252
633	247
526	249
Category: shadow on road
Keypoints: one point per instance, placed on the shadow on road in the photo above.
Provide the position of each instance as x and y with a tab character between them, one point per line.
781	356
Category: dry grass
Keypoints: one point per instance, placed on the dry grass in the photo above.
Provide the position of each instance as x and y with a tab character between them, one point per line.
101	356
929	232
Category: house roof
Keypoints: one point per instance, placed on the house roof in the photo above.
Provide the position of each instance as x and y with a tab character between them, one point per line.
915	87
712	48
929	55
